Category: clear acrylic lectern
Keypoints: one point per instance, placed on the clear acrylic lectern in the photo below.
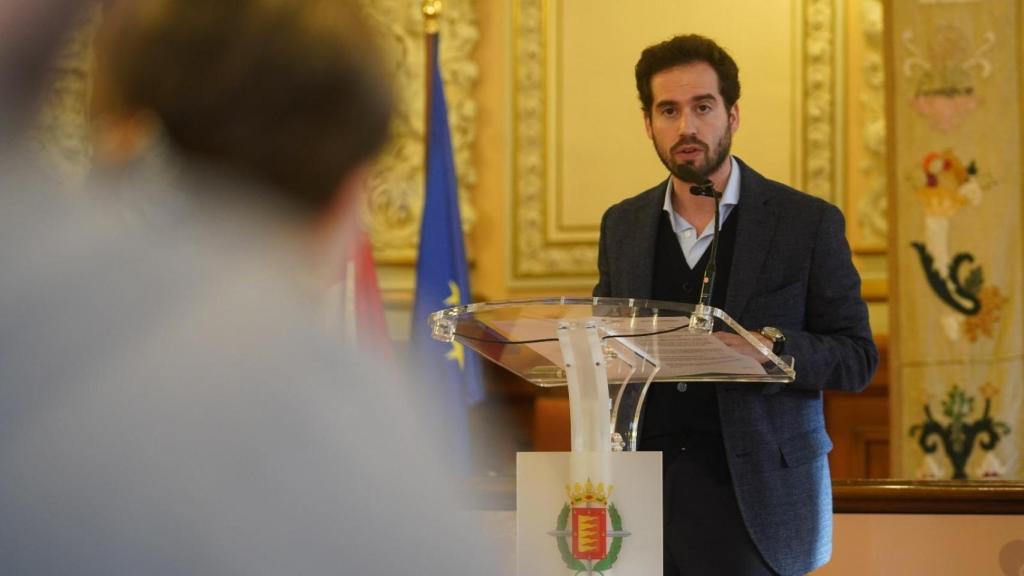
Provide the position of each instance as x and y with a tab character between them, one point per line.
591	344
600	348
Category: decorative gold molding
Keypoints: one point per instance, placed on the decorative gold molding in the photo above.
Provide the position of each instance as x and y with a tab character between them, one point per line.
535	260
394	205
819	98
872	212
61	129
875	289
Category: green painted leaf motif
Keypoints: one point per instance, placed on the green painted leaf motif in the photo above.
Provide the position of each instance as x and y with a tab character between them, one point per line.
975	280
563	518
939	284
563	542
616	547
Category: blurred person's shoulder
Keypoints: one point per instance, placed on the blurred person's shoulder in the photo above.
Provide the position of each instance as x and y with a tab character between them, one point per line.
186	358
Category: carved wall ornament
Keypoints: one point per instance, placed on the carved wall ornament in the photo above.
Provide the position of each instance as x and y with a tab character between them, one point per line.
819	99
534	258
394	205
873	208
61	130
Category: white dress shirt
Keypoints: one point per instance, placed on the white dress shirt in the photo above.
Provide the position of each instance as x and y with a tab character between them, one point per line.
692	243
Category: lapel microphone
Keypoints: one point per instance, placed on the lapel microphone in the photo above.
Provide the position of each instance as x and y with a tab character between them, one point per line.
702	186
702	319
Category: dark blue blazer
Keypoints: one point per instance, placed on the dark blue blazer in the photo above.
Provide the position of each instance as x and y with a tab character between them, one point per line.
791	269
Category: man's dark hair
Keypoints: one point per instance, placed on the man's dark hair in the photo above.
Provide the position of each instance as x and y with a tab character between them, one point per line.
682	50
290	94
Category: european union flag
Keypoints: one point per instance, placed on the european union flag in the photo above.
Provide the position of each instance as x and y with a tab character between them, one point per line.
442	274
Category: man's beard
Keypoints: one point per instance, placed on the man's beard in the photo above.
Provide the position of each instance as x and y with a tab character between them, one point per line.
711	163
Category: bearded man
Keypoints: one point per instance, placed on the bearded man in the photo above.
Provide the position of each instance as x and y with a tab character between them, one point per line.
746	476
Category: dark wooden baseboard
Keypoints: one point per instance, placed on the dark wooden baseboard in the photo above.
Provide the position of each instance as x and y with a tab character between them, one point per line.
932	497
848	496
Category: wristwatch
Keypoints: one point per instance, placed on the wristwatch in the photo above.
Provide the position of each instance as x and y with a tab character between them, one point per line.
777	338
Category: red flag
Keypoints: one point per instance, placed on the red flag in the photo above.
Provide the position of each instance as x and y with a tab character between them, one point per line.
361	305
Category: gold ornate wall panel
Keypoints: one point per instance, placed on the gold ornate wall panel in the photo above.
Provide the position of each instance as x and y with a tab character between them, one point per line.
864	153
395	203
60	131
534	257
555	246
820	97
871	229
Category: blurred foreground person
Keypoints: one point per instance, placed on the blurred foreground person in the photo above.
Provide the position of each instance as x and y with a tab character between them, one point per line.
167	402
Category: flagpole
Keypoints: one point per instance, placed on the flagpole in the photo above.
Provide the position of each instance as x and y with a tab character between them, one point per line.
431	26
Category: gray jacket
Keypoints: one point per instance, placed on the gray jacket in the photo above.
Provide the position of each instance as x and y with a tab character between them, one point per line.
791	269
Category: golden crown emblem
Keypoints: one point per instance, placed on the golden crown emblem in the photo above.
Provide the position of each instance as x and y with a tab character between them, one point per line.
588	493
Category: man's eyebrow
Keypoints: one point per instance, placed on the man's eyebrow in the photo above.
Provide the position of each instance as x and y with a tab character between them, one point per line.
694	100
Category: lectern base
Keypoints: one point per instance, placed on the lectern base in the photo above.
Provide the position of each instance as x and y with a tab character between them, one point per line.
563	529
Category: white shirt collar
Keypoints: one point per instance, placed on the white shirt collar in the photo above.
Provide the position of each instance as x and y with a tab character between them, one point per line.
730	198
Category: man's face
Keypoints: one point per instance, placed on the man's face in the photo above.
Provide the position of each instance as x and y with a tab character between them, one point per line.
689	123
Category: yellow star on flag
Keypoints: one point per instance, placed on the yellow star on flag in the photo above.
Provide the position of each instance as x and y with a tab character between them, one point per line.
455	297
458	352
